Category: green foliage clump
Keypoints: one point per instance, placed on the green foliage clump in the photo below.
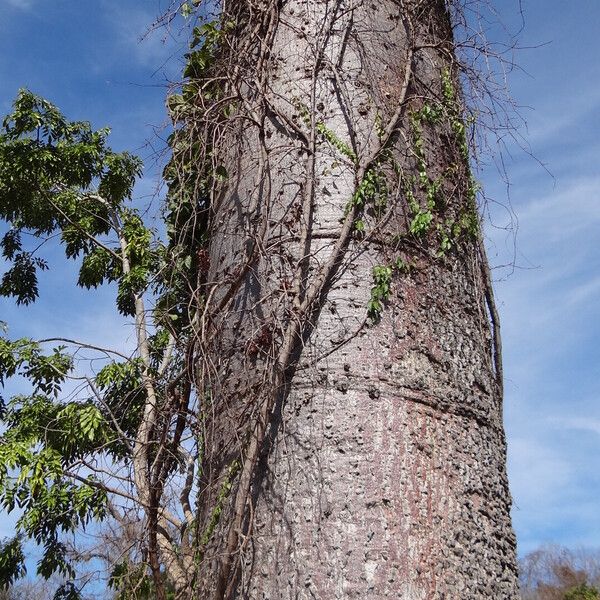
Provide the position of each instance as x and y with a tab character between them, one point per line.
12	561
380	292
335	141
372	189
382	286
42	438
582	592
58	176
427	214
222	496
60	179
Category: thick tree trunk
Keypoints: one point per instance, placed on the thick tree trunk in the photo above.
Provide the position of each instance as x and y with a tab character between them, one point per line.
348	457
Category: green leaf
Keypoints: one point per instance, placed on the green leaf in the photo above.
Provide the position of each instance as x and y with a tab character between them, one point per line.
185	10
221	173
67	591
421	223
12	561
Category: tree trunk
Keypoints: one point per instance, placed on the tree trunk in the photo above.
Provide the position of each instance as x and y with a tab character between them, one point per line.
353	437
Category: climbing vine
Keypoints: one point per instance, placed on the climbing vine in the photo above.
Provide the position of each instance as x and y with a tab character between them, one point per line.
227	109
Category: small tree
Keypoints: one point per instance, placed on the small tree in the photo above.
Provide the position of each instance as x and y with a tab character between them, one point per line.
112	446
558	573
582	592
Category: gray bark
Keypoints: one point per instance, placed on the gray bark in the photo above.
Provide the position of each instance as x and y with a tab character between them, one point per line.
368	459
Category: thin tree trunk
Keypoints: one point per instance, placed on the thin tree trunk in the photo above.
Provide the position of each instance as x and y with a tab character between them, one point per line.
348	457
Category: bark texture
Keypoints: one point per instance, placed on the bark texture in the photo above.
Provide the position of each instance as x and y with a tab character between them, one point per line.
365	460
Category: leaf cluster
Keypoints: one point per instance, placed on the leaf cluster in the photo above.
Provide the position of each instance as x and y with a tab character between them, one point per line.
42	443
58	177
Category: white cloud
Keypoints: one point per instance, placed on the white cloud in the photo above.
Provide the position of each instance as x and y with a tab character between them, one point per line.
547	124
22	4
557	235
132	28
568	209
584	291
587	424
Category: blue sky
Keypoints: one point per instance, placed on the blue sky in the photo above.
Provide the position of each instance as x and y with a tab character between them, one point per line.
86	56
549	304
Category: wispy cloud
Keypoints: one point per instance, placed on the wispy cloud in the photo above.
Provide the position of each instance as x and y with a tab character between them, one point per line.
23	4
131	25
588	424
550	121
551	324
585	291
538	471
